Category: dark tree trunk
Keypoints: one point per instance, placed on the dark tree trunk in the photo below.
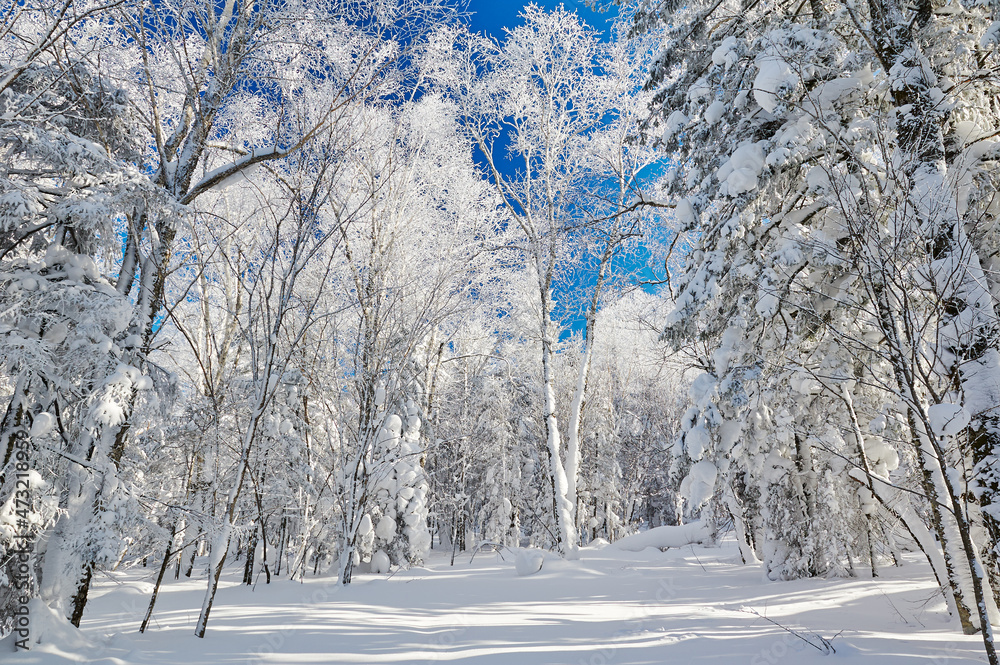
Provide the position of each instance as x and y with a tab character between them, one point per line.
167	555
251	554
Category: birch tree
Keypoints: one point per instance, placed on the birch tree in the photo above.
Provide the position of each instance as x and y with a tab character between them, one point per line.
409	256
561	102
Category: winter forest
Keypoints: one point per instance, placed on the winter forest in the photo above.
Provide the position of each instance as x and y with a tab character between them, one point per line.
302	301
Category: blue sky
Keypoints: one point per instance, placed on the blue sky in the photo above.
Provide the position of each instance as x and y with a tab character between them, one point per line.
492	16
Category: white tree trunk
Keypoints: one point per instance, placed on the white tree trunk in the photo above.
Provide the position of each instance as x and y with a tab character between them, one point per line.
560	484
575	418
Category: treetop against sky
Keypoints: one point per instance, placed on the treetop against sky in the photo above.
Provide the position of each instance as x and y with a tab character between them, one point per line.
492	17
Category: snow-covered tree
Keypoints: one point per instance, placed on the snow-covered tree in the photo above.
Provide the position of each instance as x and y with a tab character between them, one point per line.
69	181
118	121
551	109
418	220
824	159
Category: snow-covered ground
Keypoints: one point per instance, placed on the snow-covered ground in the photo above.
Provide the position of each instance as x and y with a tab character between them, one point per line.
687	605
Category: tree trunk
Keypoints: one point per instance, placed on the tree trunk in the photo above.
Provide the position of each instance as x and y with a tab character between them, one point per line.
112	442
79	600
870	490
159	578
560	484
921	144
251	555
219	550
221	546
889	328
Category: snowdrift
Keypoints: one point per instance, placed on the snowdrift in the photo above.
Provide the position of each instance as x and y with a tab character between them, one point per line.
48	628
663	537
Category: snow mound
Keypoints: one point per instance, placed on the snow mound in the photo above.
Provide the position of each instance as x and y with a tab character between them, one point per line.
43	422
663	537
529	562
380	563
48	628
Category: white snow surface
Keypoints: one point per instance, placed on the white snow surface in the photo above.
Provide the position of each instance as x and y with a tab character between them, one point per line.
739	174
42	424
687	605
674	124
947	419
528	562
726	54
48	629
699	485
772	74
715	111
